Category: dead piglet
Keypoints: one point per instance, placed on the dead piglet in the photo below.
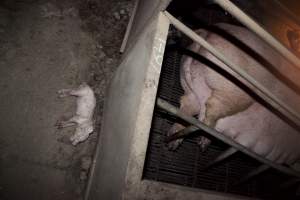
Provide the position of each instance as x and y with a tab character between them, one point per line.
83	118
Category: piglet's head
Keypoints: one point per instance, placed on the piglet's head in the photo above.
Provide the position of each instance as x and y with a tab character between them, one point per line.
83	89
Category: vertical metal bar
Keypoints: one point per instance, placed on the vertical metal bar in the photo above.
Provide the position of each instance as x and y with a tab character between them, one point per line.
240	74
256	28
129	26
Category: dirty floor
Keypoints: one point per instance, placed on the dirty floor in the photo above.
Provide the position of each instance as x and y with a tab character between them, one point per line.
46	46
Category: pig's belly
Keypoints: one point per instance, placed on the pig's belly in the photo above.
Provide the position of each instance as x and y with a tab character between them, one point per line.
264	133
240	117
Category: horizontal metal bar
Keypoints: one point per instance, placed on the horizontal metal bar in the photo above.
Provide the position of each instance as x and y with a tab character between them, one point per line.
240	74
193	121
256	28
253	173
221	157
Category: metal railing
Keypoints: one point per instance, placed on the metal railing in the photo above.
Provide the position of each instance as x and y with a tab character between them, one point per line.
246	79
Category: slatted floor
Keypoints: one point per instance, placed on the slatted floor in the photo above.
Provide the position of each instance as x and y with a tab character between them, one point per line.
185	165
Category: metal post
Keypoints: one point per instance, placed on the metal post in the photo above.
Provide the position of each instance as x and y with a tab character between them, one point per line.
252	25
129	26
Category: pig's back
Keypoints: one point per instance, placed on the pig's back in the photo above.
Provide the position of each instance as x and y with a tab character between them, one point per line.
247	59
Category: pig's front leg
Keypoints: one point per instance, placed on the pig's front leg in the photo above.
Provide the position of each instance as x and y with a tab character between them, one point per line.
189	106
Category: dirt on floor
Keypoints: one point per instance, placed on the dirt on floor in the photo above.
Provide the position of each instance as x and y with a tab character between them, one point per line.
47	45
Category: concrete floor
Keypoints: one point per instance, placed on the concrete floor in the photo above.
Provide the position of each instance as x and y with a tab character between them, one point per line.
45	46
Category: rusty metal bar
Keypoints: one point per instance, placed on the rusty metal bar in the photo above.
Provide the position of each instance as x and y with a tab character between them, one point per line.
253	173
195	122
221	157
256	28
240	74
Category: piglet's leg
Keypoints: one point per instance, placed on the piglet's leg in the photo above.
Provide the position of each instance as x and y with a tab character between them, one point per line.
67	92
67	123
189	106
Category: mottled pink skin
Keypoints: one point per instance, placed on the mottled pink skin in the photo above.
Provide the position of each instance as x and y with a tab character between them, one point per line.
221	104
264	133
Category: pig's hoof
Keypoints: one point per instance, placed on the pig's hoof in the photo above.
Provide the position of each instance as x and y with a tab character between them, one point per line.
203	143
59	124
174	144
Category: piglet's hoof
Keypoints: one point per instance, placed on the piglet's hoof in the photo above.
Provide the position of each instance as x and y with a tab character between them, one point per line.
63	93
59	124
74	140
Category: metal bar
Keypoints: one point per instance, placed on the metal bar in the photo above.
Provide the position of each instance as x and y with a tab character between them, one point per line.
193	121
289	183
189	130
240	74
221	157
253	173
182	133
287	12
129	27
256	28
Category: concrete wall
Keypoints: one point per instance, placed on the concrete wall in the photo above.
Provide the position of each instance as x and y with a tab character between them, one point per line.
117	173
120	115
119	161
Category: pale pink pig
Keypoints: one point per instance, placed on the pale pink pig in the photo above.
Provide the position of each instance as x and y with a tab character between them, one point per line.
221	104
